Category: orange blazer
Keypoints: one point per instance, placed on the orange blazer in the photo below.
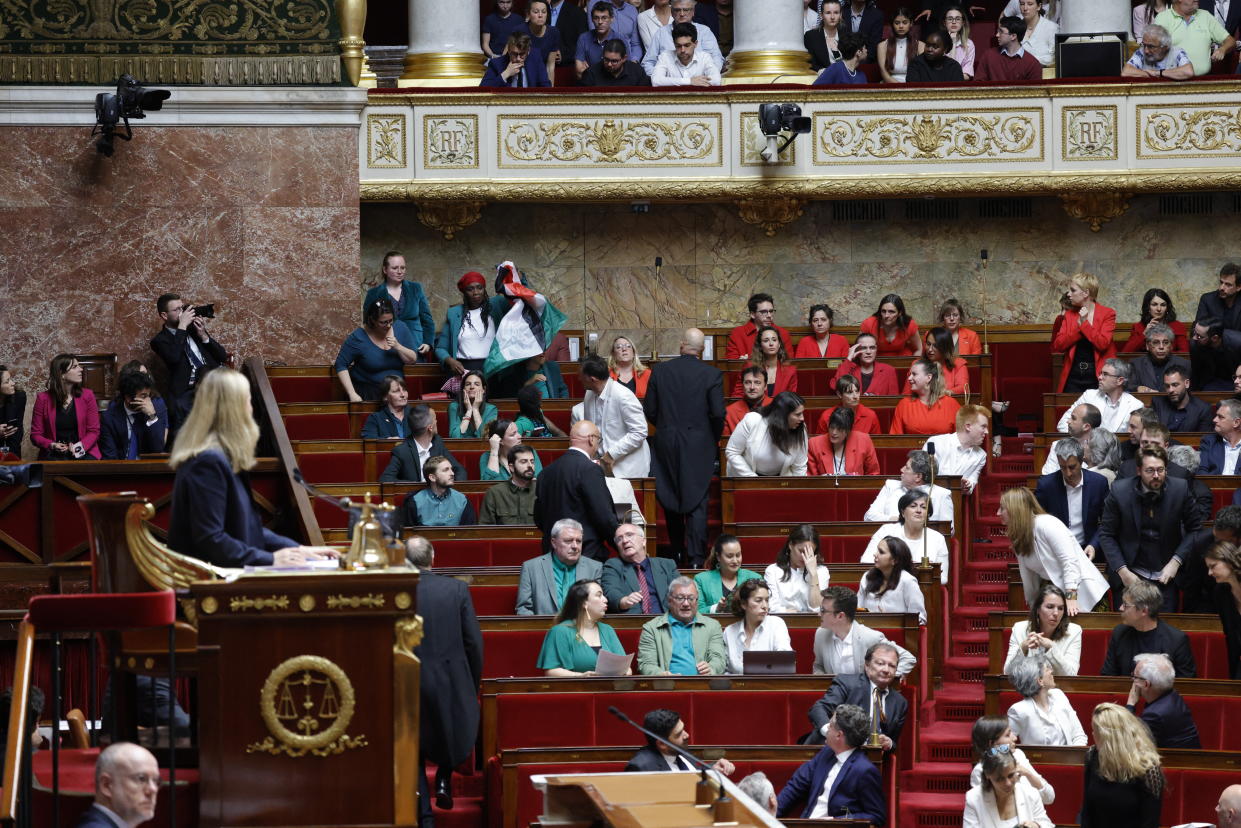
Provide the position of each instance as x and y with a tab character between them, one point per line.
903	345
641	380
968	343
956	378
860	455
808	348
912	417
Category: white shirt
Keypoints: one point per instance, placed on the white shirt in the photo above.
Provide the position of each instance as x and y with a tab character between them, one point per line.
883	508
1221	12
424	453
669	71
472	342
1073	494
1058	557
900	60
622	425
1058	725
648	28
981	812
1115	415
952	458
750	452
1065	654
664	44
842	649
793	595
907	597
772	634
936	547
675	762
1011	10
1041	42
1046	793
821	810
1230	456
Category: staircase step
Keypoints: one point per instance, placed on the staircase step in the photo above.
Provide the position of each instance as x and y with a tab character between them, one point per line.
993	597
975	643
986	573
936	778
929	810
968	669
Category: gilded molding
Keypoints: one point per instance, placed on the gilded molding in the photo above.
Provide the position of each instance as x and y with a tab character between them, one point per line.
370	600
1089	133
450	142
1188	131
315	723
246	602
770	213
533	141
385	141
903	137
1096	209
450	217
408	634
352	17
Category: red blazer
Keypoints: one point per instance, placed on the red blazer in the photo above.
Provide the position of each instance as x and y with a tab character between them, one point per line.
904	343
864	419
640	380
860	456
741	341
968	343
786	380
956	378
913	417
734	413
1099	333
43	423
883	381
1137	341
808	348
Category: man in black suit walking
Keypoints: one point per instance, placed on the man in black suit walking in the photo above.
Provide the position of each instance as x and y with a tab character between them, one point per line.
187	350
667	724
873	691
685	401
452	667
573	487
126	786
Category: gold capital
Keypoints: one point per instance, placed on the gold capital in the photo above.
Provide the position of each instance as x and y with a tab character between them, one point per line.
1096	209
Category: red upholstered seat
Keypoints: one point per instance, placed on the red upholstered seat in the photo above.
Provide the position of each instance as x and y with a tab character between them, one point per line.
100	611
792	505
334	467
318	427
303	389
485	552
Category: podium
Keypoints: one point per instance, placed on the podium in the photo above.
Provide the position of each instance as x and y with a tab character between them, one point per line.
308	691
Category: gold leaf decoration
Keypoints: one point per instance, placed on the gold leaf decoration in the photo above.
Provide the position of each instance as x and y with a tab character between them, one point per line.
610	140
927	137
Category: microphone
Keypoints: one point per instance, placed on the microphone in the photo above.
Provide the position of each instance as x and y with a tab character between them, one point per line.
387	520
339	503
930	493
703	795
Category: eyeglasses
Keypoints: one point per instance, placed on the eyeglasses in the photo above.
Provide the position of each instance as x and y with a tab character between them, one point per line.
682	599
997	750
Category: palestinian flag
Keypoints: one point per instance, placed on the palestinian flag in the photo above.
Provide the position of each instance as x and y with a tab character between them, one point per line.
527	328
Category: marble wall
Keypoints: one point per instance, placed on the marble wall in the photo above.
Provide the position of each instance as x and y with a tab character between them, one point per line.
597	261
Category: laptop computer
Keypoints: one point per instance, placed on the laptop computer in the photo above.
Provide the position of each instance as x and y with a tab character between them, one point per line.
768	662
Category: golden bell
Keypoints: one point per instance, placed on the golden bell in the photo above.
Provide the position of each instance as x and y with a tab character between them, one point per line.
368	549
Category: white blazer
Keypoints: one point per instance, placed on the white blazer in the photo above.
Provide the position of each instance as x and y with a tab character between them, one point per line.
980	810
793	595
1058	557
772	634
1065	654
750	452
1046	793
936	547
1058	725
618	414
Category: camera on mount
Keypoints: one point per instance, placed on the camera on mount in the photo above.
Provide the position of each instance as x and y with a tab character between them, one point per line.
205	311
131	100
774	119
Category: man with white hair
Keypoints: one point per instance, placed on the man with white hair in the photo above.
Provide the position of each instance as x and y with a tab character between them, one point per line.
1166	714
545	580
759	788
1156	57
1113	402
126	788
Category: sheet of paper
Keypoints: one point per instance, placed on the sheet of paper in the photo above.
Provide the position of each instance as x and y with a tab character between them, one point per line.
611	664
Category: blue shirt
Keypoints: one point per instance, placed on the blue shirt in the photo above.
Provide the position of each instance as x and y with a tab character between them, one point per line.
445	510
838	75
500	28
663	42
367	363
683	662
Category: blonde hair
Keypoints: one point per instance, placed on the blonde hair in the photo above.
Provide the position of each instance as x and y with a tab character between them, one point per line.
969	412
1022	508
1124	747
220	420
1087	282
638	367
937	390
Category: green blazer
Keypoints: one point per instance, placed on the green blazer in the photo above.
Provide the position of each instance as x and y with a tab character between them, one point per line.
562	648
711	590
655	645
446	340
454	420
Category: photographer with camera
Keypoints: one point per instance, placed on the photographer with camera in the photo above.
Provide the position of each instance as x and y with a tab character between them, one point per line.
188	351
136	422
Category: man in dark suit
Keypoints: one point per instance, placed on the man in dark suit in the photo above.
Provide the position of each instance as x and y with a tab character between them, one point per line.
126	785
667	724
863	18
635	582
1141	630
685	401
1231	22
1090	491
574	487
187	350
571	21
451	653
839	782
1149	527
1166	714
1180	410
1214	353
1222	303
873	691
135	422
1216	447
423	443
1153	435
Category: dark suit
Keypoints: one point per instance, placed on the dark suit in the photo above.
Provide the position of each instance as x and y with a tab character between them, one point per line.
404	465
1171	722
572	24
870	30
1053	496
621	579
857	790
93	817
1210	304
535	71
1120	530
13	412
172	346
573	487
213	516
1213	367
857	690
1147	373
1196	416
1129	468
1211	451
685	401
650	759
114	431
1234	15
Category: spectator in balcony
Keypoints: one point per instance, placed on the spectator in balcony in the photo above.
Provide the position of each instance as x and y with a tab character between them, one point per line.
1084	335
684	65
911	527
810	14
960	453
545	581
543	36
845	71
1003	796
873	377
840	782
571	647
618	413
722	574
706	44
719	19
915	474
891	585
627	368
938	348
1170	721
1156	57
391	421
1223	563
423	443
502	436
864	19
681	642
469	413
1229	16
1110	398
821	343
993	735
770	442
849	390
1144	13
625	27
932	15
1196	31
12	414
65	422
960	47
1040	35
531	421
894	330
1047	551
770	355
1156	307
589	48
652	20
842	450
633	581
382	346
823	42
762	310
841	640
1222	303
572	22
1141	630
439	504
1074	495
1010	60
498	27
1044	715
871	690
511	502
614	68
799	575
1178	409
895	52
1124	783
1049	9
656	756
1147	370
409	302
1213	354
136	422
757	627
1049	631
753	397
928	409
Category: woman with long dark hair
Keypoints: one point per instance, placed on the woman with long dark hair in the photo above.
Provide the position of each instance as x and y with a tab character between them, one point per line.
770	442
382	346
722	573
890	585
1223	562
470	412
901	45
770	356
894	330
502	435
757	627
1156	307
799	574
66	414
939	348
571	647
531	421
1049	631
842	450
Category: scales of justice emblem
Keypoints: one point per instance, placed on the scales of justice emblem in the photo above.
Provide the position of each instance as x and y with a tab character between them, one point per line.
307	703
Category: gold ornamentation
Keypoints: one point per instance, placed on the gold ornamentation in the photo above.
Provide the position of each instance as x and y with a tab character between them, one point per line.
754	142
441	66
1088	133
449	218
161	567
408	634
370	600
241	20
450	142
352	17
767	64
770	213
272	602
209	605
402	600
549	141
1096	209
901	137
306	603
313	724
385	141
148	663
1189	131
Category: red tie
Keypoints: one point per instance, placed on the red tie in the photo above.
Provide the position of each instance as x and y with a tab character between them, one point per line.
648	602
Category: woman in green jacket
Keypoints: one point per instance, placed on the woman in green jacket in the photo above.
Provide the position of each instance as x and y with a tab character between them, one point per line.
571	647
722	573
